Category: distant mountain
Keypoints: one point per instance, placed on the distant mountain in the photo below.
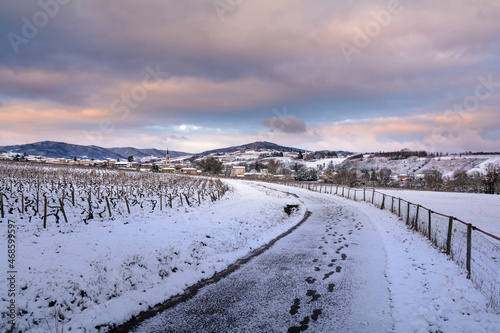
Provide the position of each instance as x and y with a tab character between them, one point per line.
258	145
52	149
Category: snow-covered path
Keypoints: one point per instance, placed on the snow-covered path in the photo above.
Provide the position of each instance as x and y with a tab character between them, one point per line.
328	276
349	268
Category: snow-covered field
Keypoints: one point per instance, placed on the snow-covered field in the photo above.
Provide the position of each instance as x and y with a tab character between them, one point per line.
482	210
102	273
325	162
447	165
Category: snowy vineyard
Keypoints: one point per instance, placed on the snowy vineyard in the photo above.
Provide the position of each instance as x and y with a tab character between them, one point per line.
50	195
131	240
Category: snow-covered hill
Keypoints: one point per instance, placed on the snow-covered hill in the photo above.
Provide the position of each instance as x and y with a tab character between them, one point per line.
447	165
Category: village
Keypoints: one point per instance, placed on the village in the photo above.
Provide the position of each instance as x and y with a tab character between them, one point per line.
152	164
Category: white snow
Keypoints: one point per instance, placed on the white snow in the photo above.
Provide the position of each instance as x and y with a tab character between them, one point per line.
325	162
482	210
106	271
429	292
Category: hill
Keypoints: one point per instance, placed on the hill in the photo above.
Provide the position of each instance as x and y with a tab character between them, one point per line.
255	146
53	149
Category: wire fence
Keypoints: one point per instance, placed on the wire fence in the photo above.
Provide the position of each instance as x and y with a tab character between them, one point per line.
473	249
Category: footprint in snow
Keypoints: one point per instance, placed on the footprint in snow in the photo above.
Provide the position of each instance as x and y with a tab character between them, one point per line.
316	314
310	280
295	307
313	294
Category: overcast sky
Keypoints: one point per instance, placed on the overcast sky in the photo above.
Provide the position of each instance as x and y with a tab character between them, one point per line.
193	75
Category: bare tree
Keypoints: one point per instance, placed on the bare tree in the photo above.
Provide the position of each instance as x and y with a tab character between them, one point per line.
460	181
385	176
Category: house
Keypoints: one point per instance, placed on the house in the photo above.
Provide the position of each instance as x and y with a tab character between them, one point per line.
168	170
51	161
189	171
121	164
237	171
180	166
86	162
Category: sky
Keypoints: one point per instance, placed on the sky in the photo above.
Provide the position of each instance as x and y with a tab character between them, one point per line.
195	75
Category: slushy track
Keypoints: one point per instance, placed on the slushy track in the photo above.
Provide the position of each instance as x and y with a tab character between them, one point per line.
328	275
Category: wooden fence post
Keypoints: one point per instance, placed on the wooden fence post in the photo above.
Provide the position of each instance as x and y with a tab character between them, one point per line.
45	213
22	203
373	196
382	206
429	226
61	202
392	204
342	191
448	239
416	218
364	194
109	208
469	248
91	215
399	208
128	207
408	214
1	205
37	202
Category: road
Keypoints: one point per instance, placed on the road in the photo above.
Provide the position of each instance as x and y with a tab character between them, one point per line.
328	275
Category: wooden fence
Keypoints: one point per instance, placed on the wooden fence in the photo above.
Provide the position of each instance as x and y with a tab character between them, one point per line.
473	249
